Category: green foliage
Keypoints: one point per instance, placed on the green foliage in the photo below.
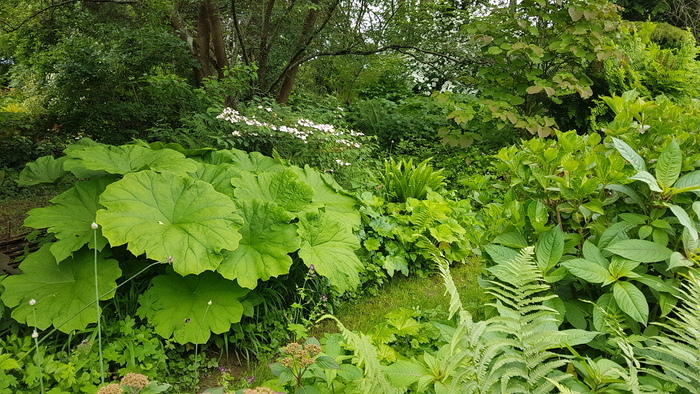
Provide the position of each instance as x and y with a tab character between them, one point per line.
403	180
676	351
392	232
533	55
68	361
227	219
657	59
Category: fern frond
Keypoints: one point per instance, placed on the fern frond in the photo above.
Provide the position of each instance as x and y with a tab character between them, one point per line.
681	345
366	356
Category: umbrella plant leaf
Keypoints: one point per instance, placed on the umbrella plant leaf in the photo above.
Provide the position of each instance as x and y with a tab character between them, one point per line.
62	292
263	252
218	176
45	169
190	308
125	159
330	246
330	195
165	215
281	188
70	217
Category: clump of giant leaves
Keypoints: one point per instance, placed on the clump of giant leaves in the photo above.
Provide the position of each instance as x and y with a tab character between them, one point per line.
224	221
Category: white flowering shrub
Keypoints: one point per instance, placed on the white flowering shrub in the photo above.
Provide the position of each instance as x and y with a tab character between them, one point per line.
329	147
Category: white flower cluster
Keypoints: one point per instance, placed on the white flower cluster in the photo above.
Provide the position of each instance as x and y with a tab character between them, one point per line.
234	116
342	163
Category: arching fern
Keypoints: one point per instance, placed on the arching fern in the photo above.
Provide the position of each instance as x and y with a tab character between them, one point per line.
678	353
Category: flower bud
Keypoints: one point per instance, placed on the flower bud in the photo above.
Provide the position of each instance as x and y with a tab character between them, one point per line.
32	302
94	226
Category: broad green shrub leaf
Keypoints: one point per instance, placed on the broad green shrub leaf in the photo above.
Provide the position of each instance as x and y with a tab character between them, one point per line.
125	159
614	233
330	246
165	215
631	301
62	292
330	195
70	217
685	220
404	373
629	154
512	240
45	169
218	176
629	192
500	254
587	270
180	306
669	164
281	188
688	182
267	239
550	249
592	253
648	179
640	250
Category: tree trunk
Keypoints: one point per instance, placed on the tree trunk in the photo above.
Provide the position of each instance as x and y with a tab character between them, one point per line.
264	52
201	44
291	74
217	37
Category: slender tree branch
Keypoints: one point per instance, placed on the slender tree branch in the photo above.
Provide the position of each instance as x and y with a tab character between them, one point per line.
239	35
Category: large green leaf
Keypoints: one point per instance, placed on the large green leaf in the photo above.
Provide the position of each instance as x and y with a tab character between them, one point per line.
688	182
511	239
629	192
254	162
648	179
131	158
330	246
550	249
63	293
669	164
71	216
268	238
219	176
329	194
404	373
587	270
631	300
45	169
629	154
685	220
640	250
592	253
614	233
168	216
190	308
282	188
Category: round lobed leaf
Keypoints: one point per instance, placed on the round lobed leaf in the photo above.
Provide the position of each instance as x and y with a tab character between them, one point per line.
169	217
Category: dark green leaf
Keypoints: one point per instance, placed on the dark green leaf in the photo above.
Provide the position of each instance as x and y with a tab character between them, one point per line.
631	301
640	250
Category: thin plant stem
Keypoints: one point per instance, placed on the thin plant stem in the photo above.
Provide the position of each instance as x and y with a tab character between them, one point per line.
196	345
90	304
97	308
39	358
